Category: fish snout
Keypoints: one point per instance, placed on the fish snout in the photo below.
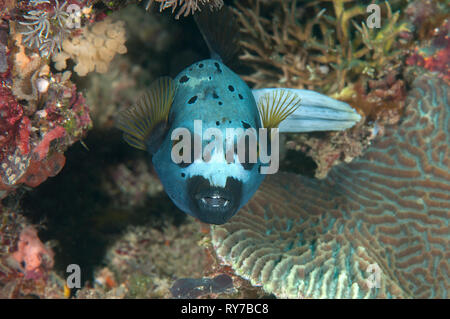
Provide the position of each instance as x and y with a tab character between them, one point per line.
214	204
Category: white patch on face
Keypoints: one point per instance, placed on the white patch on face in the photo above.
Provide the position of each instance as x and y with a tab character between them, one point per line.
196	81
217	170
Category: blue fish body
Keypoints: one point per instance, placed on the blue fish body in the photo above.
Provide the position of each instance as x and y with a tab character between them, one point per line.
205	101
210	92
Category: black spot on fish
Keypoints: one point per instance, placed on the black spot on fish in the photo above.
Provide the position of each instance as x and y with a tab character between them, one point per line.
192	99
240	96
215	95
220	103
183	174
200	65
217	123
231	88
218	67
245	125
183	79
210	78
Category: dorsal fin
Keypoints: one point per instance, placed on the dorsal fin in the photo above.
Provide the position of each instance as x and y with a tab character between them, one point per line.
220	31
144	123
276	106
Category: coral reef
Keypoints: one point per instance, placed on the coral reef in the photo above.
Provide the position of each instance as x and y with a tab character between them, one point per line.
45	24
305	238
148	35
149	259
283	52
186	6
189	288
94	48
326	46
299	237
130	187
109	92
99	201
42	112
3	51
435	55
11	226
25	262
426	16
332	148
17	287
32	255
152	263
52	116
7	8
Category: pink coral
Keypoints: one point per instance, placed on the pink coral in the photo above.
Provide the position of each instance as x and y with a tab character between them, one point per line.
11	126
39	171
15	129
32	254
42	149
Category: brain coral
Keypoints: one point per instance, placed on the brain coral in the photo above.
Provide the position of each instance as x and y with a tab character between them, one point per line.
316	239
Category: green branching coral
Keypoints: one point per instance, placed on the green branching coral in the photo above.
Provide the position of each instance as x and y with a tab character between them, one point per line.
321	45
379	44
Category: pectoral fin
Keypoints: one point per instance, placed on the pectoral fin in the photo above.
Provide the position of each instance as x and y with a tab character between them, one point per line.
276	105
318	112
144	123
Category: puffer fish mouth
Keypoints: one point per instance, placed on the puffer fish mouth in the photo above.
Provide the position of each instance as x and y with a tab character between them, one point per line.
213	204
215	201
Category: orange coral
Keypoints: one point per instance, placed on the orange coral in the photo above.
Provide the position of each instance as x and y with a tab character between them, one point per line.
94	48
42	149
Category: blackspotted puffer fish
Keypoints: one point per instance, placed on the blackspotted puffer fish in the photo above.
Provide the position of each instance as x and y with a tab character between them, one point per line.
186	115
